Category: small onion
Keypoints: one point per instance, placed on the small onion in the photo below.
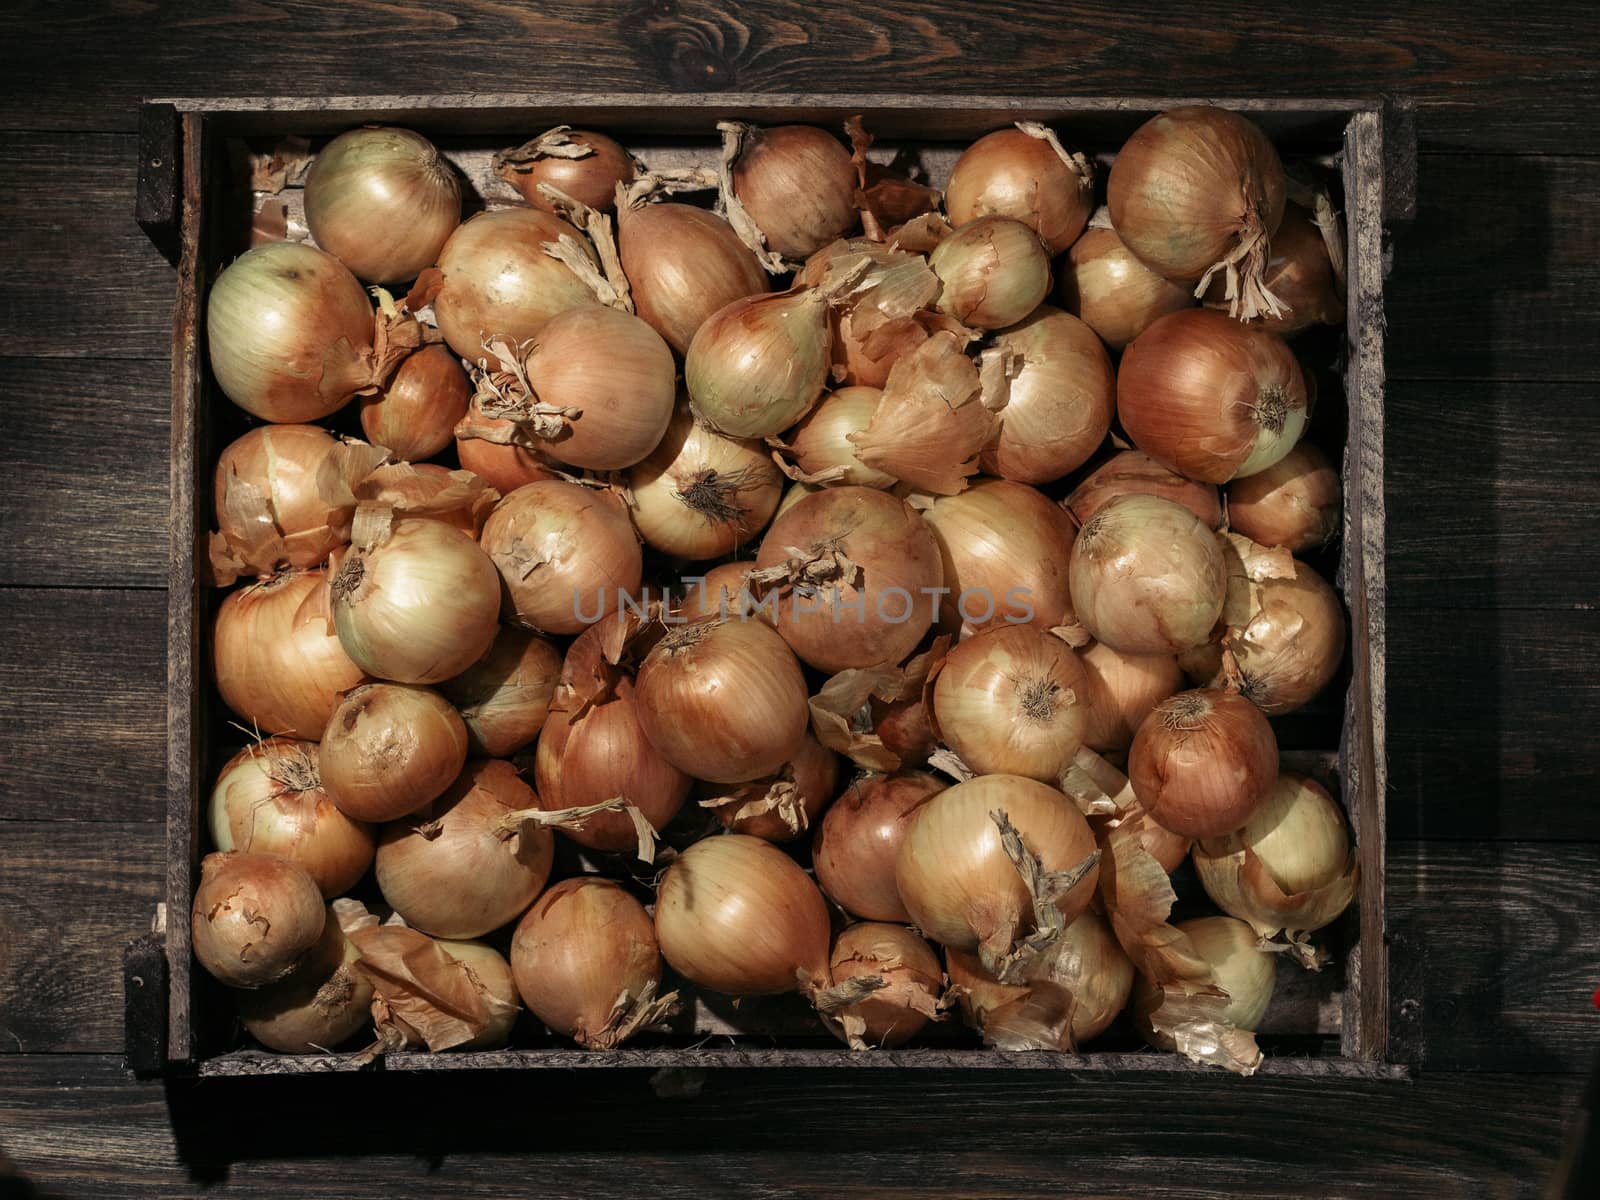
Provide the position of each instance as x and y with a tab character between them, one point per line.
798	185
1012	700
580	163
756	366
724	701
1058	405
821	441
835	617
389	749
1012	173
1243	971
584	955
450	872
718	595
1133	472
912	979
503	467
858	842
415	416
700	494
498	280
781	807
955	878
683	264
1147	576
1211	398
270	798
995	272
566	555
255	917
736	915
383	201
277	665
1299	273
318	1005
420	606
1295	503
280	462
1104	285
504	696
1122	689
493	974
1203	762
289	330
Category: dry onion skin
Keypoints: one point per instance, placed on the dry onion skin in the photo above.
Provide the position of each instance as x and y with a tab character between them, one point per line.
1060	393
1122	689
701	494
324	1001
1012	700
797	184
1196	193
415	415
492	973
852	573
383	201
683	264
1295	503
1211	398
277	466
995	272
389	749
504	466
1244	972
458	498
736	915
912	982
1023	173
505	696
417	604
1104	285
784	806
820	444
1133	472
858	842
270	798
451	871
579	163
1203	762
1006	551
1300	274
587	965
723	701
426	991
1147	576
255	917
277	665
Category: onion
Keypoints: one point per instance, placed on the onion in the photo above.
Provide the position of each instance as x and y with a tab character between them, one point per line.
1104	285
994	270
736	915
721	593
858	841
449	870
1289	868
584	165
458	498
887	313
1203	762
1294	503
700	494
683	264
383	201
1133	472
905	727
586	963
1122	689
255	917
566	555
756	366
389	749
1058	403
1085	985
912	982
1196	192
957	881
289	331
1243	971
504	467
1006	550
417	606
496	279
505	695
1023	173
1211	398
854	573
270	799
441	994
277	665
267	501
797	183
1147	576
1299	273
1012	700
492	973
821	442
415	416
318	1005
783	806
723	701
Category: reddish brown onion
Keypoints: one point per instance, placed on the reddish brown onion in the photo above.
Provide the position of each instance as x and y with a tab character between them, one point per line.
798	185
1299	273
1012	173
389	749
415	416
579	163
1295	503
1203	762
683	264
856	844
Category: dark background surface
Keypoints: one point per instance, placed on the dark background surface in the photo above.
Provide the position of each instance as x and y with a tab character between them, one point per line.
1493	445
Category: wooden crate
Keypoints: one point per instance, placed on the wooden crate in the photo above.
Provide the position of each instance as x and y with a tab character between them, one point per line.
186	204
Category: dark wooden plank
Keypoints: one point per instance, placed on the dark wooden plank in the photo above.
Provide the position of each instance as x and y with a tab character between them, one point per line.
80	1127
158	205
